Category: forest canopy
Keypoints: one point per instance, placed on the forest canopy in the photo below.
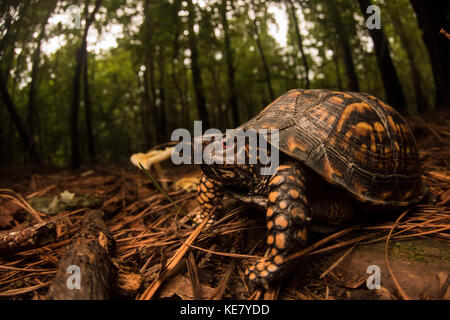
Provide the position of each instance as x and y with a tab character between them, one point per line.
93	81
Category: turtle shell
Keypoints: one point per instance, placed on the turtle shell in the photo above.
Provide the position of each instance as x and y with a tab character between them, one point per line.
353	140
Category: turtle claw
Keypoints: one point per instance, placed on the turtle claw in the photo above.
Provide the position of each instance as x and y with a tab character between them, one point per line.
200	217
262	273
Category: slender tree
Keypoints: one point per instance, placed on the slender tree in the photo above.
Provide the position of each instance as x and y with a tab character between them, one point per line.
24	134
32	110
344	42
88	110
196	71
433	17
392	87
299	42
256	35
229	58
80	58
421	101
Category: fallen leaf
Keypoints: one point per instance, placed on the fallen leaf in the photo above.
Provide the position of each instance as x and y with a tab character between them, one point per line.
182	287
67	196
7	211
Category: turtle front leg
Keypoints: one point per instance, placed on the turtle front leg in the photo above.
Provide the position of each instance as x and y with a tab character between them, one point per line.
209	198
287	216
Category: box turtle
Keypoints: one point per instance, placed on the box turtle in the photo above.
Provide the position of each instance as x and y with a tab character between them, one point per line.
340	153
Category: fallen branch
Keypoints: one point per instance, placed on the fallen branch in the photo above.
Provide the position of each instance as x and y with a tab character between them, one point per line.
27	238
87	258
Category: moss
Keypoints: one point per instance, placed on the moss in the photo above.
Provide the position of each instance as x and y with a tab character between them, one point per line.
411	251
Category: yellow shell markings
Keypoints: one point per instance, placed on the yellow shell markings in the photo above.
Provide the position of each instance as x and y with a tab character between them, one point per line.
360	107
336	99
330	120
387	107
386	194
269	125
293	144
329	170
392	123
408	194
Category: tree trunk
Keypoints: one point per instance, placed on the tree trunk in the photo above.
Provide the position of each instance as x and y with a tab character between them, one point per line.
80	58
392	87
432	18
88	111
176	50
148	108
196	73
90	252
421	101
300	43
229	59
32	112
344	42
255	31
162	99
24	134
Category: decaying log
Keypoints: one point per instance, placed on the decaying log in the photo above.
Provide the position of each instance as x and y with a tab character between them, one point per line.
27	238
86	271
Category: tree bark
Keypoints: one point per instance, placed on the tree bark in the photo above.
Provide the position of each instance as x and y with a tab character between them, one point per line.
176	51
300	43
80	58
353	83
229	59
265	65
24	134
421	101
32	112
148	107
90	252
392	87
88	111
196	73
162	99
27	238
433	17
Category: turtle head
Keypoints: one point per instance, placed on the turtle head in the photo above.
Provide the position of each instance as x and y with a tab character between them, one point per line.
224	158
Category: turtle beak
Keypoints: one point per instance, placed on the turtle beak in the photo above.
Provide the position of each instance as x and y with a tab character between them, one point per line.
199	145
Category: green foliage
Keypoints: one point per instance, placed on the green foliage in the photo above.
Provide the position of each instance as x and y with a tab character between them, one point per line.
143	85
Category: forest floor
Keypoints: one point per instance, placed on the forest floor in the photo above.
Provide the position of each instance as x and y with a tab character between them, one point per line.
151	236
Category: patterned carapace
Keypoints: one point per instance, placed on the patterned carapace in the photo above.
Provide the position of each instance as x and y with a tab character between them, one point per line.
338	149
